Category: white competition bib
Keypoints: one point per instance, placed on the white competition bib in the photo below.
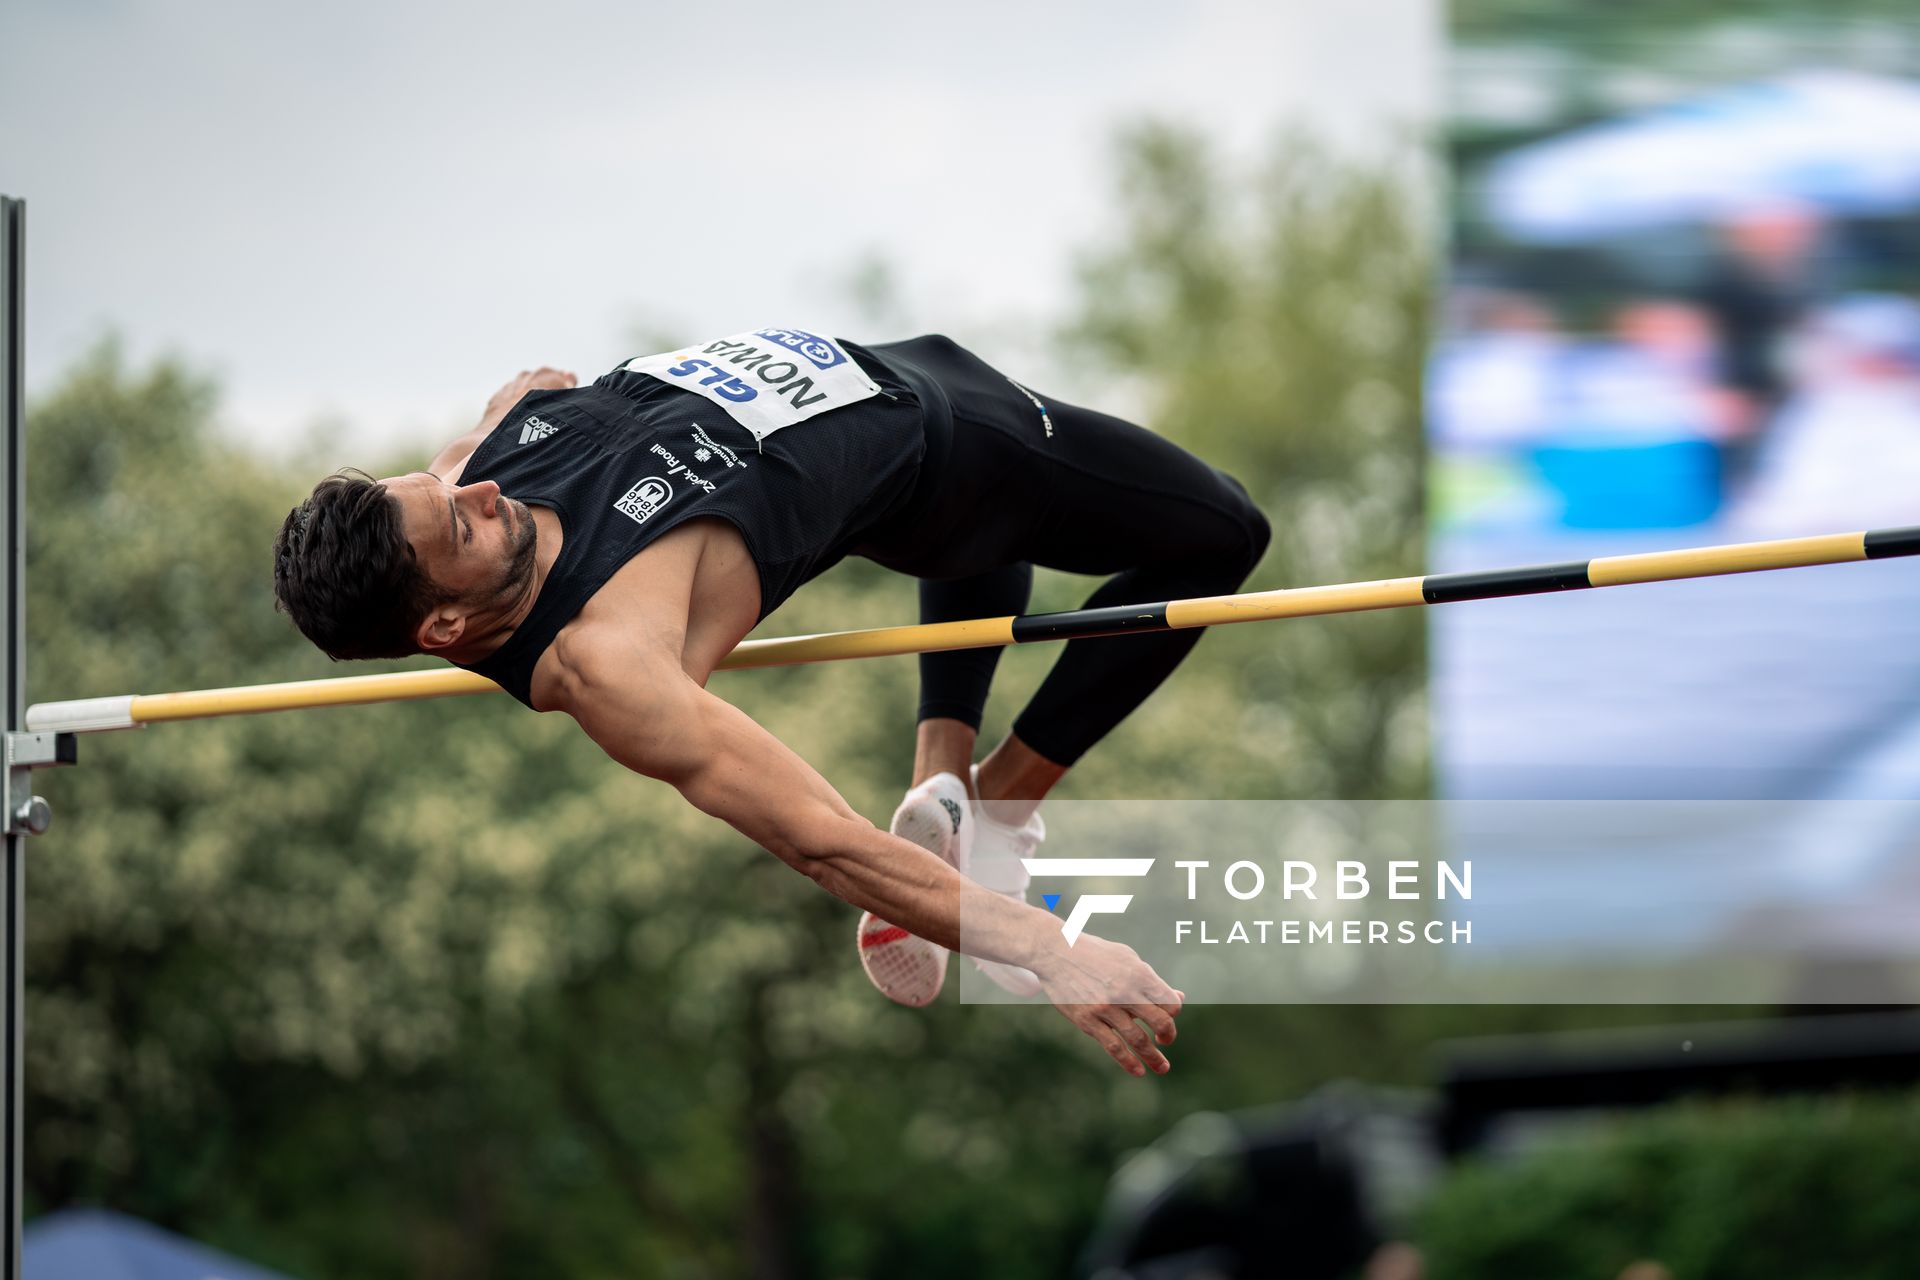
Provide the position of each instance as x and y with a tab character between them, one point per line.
765	380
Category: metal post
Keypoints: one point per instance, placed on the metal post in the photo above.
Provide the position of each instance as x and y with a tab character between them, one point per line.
22	813
13	591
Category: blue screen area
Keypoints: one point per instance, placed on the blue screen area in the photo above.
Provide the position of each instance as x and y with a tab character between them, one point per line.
1682	308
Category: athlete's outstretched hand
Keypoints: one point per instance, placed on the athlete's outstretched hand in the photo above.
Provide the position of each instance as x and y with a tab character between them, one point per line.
1105	989
541	379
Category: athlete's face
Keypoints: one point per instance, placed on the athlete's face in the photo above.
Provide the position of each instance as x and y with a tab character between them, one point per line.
471	539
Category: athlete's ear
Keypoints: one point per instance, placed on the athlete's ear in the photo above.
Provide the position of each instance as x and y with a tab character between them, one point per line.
440	629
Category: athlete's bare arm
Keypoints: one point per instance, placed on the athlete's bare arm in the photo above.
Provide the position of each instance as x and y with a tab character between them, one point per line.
645	711
447	463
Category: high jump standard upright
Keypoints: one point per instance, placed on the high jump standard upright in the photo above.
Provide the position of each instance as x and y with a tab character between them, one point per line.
24	813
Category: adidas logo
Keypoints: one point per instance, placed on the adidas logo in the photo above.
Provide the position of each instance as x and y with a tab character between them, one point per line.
536	428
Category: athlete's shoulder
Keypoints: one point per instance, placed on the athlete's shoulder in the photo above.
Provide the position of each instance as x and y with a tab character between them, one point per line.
593	659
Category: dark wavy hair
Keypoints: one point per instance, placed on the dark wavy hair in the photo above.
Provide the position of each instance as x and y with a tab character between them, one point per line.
345	573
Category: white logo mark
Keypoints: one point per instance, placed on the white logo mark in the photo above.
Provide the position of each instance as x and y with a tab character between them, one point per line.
645	498
1092	904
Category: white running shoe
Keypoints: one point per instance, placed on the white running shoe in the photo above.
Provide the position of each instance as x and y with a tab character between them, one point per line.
910	970
996	853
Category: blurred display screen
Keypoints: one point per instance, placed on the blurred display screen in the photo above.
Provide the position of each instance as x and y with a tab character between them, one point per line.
1682	308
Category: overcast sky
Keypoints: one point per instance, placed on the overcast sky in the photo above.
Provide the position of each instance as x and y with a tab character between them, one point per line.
368	215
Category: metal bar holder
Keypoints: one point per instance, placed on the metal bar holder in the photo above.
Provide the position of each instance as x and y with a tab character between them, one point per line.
28	814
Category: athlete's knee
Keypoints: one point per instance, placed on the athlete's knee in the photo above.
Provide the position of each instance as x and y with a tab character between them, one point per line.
1252	531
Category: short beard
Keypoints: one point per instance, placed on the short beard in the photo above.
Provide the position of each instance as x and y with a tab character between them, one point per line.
521	555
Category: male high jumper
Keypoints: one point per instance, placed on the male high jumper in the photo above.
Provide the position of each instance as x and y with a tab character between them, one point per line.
598	550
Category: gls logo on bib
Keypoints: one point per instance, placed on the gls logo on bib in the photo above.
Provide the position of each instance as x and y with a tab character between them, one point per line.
765	380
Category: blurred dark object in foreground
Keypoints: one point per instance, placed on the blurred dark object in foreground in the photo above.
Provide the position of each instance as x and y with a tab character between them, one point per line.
1302	1190
1491	1085
1315	1190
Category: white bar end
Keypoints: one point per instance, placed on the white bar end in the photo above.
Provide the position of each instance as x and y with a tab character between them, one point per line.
82	715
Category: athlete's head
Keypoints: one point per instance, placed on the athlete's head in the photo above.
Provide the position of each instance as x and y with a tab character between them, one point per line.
385	568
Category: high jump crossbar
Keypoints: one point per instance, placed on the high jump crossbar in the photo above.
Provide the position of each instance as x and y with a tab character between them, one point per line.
130	711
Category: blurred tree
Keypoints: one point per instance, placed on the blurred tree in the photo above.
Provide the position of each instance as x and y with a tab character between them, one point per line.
1814	1187
1521	69
1277	322
1569	21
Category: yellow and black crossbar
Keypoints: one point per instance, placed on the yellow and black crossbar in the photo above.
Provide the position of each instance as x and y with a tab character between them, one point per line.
130	711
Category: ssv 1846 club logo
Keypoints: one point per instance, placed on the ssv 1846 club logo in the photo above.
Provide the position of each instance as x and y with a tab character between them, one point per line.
640	502
1088	905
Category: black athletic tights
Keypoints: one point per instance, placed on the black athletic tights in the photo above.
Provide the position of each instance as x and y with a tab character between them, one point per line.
1014	485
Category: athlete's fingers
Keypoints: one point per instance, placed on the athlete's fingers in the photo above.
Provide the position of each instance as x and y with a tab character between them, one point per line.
1157	1017
1137	1040
1145	984
1108	1039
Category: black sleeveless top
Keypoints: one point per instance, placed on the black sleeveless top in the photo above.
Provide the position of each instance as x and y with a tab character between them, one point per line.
628	458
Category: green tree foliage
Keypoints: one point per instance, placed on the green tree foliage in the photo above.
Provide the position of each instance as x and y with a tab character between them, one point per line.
1277	320
1569	63
1815	1189
1568	22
